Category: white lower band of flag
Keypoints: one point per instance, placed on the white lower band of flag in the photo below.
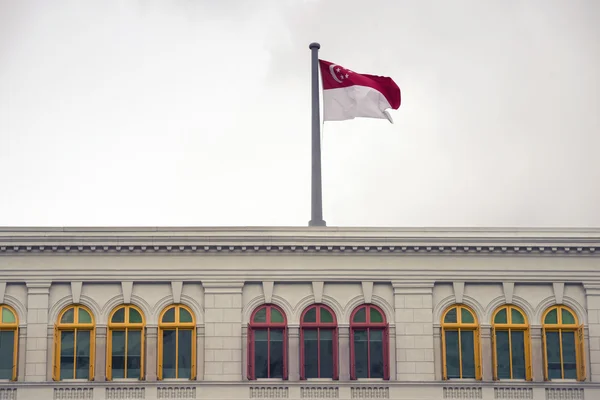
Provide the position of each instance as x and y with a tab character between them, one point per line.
354	101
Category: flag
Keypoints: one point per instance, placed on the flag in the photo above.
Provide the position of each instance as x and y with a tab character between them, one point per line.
348	94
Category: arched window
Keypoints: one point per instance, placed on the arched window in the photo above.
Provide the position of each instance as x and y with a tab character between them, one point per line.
177	343
319	343
563	345
460	344
9	326
511	344
125	347
74	344
267	343
369	343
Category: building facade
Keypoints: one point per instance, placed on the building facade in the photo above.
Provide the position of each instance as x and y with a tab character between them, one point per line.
299	313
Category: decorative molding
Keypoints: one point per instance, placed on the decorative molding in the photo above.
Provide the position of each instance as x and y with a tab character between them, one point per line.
176	393
564	394
268	291
459	291
127	290
129	392
516	393
74	393
7	393
317	288
367	290
319	392
462	392
269	392
509	289
370	392
176	289
559	291
76	291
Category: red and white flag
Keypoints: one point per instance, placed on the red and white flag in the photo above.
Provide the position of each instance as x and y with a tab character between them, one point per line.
348	94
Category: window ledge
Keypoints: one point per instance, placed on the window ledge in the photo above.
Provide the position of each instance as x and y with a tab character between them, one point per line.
270	380
318	380
370	380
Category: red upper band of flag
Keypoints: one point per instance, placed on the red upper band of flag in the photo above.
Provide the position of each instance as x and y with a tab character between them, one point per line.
348	94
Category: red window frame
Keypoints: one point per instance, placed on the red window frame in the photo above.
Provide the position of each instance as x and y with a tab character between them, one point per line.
369	326
268	326
319	326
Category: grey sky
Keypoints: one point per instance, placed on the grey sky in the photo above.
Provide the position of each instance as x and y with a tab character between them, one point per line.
198	113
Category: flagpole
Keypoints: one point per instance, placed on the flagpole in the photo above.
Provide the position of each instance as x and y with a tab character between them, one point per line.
316	187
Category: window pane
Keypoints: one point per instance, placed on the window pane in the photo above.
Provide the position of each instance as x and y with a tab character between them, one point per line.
84	317
361	353
567	317
67	354
326	353
311	315
185	316
326	316
119	316
553	354
169	316
134	316
82	362
261	315
311	354
452	356
7	351
502	355
518	354
68	317
276	360
276	316
169	353
569	359
450	317
118	354
517	317
466	316
360	316
184	356
376	316
467	346
500	317
8	317
376	350
261	351
551	317
134	353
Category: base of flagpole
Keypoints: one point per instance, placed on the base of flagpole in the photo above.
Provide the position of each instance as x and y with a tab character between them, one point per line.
318	222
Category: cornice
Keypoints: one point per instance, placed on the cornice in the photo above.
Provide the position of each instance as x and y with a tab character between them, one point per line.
321	241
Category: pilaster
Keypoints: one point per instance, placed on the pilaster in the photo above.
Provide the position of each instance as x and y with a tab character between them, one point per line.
344	352
592	294
223	331
100	364
294	353
151	353
36	348
486	353
537	355
413	305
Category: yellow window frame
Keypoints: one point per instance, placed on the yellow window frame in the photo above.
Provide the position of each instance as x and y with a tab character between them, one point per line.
177	325
14	327
511	326
60	327
561	327
460	326
126	327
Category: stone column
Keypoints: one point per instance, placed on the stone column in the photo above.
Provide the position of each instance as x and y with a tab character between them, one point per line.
151	353
22	350
100	364
223	331
592	354
537	356
413	304
437	351
344	352
294	353
200	353
487	373
36	349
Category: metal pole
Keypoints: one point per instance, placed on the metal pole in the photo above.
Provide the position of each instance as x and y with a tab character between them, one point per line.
316	187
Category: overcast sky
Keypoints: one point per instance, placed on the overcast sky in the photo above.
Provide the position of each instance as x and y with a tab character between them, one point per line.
197	113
